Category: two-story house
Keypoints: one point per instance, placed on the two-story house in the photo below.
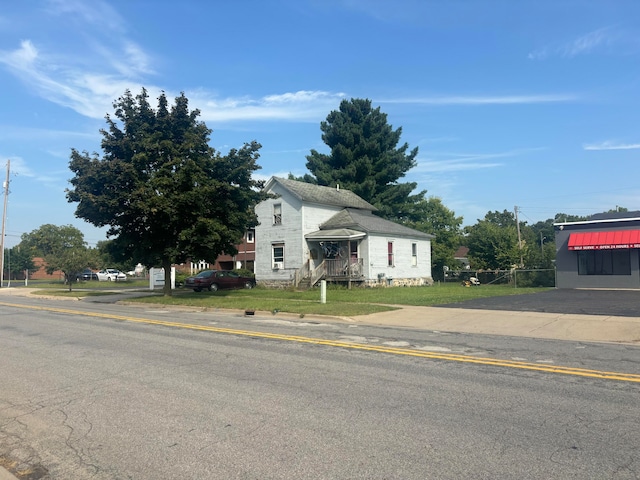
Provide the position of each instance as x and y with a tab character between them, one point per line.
308	232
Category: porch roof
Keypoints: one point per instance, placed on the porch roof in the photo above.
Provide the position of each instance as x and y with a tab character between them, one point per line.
335	234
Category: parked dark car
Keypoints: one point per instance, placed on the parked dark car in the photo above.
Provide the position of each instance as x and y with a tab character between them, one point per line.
87	274
213	280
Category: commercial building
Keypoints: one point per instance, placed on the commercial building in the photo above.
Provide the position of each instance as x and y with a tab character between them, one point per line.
602	252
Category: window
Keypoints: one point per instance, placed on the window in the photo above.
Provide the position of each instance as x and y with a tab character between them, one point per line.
354	251
414	254
390	254
277	255
604	262
251	236
277	214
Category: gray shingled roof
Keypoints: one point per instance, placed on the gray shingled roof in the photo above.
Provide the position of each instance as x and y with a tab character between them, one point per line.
615	215
368	222
308	192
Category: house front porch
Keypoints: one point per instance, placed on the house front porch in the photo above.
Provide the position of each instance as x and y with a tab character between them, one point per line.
332	270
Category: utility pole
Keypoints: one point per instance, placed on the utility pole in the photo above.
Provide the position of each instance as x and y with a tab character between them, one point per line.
4	222
519	239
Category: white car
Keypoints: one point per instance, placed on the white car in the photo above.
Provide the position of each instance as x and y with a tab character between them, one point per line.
111	275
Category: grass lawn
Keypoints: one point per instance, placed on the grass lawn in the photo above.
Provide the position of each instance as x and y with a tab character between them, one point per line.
340	301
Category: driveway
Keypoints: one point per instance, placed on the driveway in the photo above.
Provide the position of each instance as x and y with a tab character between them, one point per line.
621	303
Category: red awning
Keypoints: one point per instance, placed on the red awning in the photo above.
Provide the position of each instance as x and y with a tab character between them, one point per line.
604	240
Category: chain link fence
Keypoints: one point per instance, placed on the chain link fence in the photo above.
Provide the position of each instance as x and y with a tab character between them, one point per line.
535	277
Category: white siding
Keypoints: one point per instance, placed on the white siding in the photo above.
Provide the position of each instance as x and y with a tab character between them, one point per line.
299	219
288	232
315	215
402	268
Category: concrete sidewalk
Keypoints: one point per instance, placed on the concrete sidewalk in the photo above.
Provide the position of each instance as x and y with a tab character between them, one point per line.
559	326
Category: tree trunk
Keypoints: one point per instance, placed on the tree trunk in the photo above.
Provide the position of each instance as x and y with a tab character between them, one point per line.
166	265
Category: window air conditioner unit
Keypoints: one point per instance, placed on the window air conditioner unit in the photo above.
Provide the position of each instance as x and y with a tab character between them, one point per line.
277	265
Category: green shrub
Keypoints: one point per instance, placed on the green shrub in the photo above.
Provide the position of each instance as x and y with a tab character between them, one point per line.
181	277
243	272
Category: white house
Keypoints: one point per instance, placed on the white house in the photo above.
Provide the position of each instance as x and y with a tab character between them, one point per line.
307	233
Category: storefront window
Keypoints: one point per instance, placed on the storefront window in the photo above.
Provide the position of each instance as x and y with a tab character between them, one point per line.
604	262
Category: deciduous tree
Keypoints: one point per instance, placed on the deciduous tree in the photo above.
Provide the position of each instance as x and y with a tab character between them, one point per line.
18	260
493	242
164	193
62	248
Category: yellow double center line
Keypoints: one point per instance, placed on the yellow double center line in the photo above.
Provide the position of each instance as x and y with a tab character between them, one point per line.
582	372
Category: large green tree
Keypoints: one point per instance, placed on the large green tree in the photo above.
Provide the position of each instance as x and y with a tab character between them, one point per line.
366	159
62	248
540	237
493	242
164	193
17	261
431	216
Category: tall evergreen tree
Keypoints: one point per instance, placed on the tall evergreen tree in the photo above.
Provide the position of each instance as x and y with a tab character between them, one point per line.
365	158
164	193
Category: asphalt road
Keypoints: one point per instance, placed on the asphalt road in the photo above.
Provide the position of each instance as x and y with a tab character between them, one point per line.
623	303
108	395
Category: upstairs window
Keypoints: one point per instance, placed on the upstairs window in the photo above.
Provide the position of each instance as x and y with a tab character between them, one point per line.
277	214
251	236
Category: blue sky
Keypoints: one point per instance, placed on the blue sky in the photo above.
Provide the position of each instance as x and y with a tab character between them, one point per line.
533	103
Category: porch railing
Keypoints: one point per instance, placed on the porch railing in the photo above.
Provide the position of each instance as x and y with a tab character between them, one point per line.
335	269
301	273
344	269
317	273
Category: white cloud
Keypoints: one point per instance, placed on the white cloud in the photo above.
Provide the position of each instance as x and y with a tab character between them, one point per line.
89	94
441	166
484	100
95	12
600	40
453	162
22	58
14	132
130	61
20	169
17	166
303	105
612	146
589	42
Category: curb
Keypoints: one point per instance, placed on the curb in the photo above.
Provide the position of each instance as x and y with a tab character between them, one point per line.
6	474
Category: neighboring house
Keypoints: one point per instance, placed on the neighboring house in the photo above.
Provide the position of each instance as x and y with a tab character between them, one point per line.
41	272
307	233
602	252
245	257
462	255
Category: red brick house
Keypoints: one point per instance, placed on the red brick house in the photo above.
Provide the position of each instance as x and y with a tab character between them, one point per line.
41	272
245	258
